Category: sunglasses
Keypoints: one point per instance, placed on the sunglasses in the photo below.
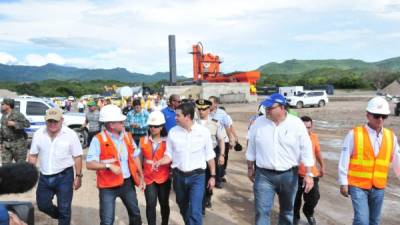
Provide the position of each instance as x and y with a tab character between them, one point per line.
155	126
377	116
202	109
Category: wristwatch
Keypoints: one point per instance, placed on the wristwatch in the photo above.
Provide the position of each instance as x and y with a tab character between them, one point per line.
213	176
309	174
79	175
108	165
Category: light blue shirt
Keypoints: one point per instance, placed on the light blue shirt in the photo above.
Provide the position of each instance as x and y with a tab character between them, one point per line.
94	152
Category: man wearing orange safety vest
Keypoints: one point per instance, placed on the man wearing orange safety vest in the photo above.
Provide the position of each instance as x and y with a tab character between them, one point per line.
311	198
364	163
113	154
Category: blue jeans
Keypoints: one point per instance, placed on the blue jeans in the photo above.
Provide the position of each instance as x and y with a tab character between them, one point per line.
126	192
267	183
367	205
4	218
60	185
189	192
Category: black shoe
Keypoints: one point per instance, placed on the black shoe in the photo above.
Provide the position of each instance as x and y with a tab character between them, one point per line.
223	179
203	212
311	220
208	204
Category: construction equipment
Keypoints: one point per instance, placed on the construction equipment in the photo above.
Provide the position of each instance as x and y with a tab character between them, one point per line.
206	68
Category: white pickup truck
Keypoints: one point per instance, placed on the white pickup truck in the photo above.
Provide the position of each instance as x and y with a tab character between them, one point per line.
34	110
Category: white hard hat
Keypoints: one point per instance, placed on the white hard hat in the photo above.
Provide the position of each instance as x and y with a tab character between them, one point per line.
378	105
156	118
111	113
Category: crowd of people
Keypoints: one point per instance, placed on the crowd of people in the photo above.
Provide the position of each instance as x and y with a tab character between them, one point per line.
185	143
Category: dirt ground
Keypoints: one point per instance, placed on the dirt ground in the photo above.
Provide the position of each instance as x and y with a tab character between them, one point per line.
234	204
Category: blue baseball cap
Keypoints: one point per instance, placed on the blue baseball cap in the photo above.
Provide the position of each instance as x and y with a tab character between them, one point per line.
272	99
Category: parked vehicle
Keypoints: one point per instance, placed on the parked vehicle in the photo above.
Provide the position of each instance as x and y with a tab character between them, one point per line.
308	98
290	91
34	110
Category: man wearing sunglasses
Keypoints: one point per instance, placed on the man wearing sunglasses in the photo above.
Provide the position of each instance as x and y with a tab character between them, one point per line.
364	163
169	112
218	135
277	144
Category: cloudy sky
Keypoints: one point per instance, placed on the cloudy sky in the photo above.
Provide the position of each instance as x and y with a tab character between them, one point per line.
245	33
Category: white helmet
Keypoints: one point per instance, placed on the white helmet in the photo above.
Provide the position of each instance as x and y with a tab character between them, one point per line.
156	118
111	113
378	105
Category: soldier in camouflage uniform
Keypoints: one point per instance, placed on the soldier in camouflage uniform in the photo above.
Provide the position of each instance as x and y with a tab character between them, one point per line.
218	135
12	134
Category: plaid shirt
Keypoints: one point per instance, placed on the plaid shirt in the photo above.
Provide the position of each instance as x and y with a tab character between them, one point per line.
138	118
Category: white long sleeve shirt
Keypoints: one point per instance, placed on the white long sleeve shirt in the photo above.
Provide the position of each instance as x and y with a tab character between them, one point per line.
348	147
189	150
279	147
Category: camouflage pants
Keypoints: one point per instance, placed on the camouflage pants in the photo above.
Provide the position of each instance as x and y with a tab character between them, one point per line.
14	150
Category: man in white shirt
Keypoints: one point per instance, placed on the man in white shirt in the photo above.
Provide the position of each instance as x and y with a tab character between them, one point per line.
276	146
364	163
59	149
190	149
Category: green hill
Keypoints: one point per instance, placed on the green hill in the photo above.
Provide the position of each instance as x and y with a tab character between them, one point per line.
15	73
302	66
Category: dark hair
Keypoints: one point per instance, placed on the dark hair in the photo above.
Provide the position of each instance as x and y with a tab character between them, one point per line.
172	97
163	132
214	98
187	109
221	107
306	119
136	102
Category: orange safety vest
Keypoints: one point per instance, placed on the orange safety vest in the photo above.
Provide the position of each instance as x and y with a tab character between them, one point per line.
108	154
150	176
366	170
315	148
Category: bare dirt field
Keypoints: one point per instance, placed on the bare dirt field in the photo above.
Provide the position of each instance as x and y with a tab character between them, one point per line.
234	204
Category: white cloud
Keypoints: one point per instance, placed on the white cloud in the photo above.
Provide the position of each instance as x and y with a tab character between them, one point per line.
8	59
133	33
40	60
336	36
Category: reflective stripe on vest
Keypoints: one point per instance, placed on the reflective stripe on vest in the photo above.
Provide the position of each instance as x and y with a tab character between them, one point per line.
366	170
108	154
150	176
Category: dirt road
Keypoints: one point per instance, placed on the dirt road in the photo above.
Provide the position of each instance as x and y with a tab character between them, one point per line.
234	203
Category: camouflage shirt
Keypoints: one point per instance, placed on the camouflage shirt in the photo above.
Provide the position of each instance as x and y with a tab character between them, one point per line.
14	132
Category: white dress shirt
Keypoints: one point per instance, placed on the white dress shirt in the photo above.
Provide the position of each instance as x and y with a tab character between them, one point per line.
348	147
189	150
279	147
56	155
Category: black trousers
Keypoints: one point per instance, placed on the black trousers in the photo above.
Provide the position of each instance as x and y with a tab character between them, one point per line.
310	199
151	193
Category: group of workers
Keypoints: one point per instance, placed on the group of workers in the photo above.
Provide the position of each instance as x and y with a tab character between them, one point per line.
186	145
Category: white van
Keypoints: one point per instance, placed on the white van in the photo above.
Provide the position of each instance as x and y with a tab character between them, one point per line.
34	110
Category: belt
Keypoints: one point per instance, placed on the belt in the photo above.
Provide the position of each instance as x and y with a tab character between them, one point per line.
139	135
60	173
277	171
189	173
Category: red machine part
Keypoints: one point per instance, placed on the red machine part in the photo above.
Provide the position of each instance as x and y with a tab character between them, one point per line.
206	67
